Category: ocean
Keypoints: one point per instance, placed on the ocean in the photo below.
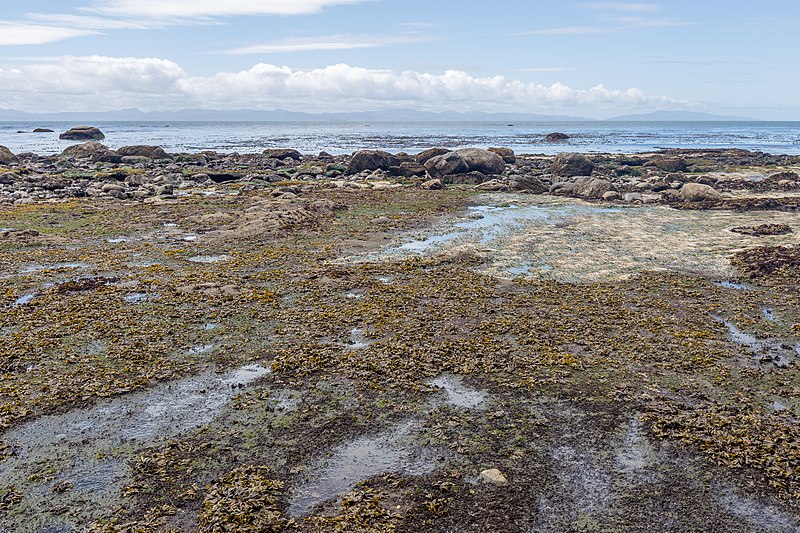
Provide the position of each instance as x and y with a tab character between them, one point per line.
346	137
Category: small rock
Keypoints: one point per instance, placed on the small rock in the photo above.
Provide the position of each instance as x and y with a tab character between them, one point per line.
493	476
283	153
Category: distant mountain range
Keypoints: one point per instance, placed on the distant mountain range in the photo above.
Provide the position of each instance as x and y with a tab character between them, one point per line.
388	115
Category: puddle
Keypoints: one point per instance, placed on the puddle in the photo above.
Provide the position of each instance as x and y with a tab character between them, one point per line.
759	516
575	241
24	300
734	285
386	280
360	459
765	350
588	487
353	295
31	269
136	298
118	240
769	315
357	340
116	427
210	326
209	259
201	349
458	394
189	238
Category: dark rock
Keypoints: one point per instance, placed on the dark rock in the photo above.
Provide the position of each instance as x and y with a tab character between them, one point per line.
150	152
527	183
82	133
768	260
570	165
446	164
6	157
90	149
409	170
9	178
283	153
562	188
222	176
483	161
556	136
43	130
507	154
371	160
424	156
669	164
757	231
467	178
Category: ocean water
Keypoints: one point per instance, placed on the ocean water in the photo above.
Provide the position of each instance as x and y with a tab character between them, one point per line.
346	137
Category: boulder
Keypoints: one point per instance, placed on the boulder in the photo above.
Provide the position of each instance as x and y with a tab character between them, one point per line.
82	133
556	137
610	196
493	185
507	154
9	178
527	183
446	164
697	192
409	170
150	152
423	157
433	185
493	476
562	188
670	164
371	160
483	161
570	165
43	130
588	187
89	149
466	178
283	153
6	157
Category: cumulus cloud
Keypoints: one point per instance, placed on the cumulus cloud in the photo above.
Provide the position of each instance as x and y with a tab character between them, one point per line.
15	33
330	42
182	9
100	83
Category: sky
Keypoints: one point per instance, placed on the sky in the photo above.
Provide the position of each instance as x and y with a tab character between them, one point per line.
595	59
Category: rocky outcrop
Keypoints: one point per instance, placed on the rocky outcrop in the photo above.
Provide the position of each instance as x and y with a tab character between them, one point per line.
150	152
371	160
6	157
556	137
571	165
43	130
283	153
82	133
763	230
670	164
425	155
697	192
483	161
445	165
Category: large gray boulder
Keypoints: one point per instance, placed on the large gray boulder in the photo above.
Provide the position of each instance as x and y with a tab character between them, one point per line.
528	183
507	154
697	192
588	187
82	133
445	165
90	149
423	156
283	153
571	165
483	161
151	152
6	157
371	160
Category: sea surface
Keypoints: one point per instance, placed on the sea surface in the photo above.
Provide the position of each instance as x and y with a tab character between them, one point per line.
346	137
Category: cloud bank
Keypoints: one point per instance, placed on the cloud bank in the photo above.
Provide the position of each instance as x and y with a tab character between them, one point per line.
99	83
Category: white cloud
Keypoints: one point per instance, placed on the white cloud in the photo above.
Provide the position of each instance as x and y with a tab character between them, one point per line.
187	9
15	33
570	30
330	42
100	83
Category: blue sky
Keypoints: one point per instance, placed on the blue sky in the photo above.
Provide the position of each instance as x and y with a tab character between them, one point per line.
588	58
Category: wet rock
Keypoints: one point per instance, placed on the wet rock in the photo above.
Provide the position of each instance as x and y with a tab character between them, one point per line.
556	136
788	175
371	160
527	183
493	476
433	185
43	130
82	133
9	178
698	192
571	165
282	153
483	161
6	157
588	187
445	165
424	156
89	149
507	154
761	230
149	152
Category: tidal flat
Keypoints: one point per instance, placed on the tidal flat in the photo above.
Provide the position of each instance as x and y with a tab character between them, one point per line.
283	342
